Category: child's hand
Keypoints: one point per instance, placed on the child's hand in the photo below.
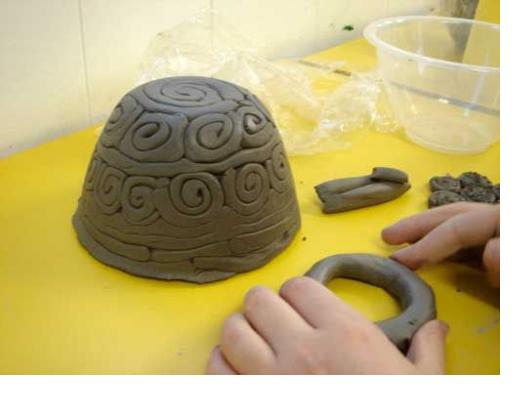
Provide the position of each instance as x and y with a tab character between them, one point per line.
307	330
439	233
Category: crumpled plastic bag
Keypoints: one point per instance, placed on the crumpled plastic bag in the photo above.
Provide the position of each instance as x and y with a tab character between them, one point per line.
357	103
313	104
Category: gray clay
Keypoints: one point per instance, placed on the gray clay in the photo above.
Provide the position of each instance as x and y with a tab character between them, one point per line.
469	186
445	183
479	194
345	194
471	178
497	192
414	295
389	174
441	198
189	180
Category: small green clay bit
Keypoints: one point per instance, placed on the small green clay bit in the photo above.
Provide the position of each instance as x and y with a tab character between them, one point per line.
445	183
497	192
345	194
348	28
469	186
471	178
441	198
479	194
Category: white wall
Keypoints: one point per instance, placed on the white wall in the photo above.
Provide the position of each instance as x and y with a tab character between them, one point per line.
65	63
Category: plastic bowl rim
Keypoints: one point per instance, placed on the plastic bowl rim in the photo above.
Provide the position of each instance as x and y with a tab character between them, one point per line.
370	33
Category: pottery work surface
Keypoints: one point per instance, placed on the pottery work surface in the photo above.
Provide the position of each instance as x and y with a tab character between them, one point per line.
84	317
189	180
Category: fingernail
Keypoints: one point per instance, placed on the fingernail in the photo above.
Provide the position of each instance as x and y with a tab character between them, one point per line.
394	256
404	257
386	228
400	251
384	232
398	255
444	327
256	289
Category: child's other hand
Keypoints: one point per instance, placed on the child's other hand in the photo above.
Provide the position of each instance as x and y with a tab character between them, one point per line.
307	329
439	233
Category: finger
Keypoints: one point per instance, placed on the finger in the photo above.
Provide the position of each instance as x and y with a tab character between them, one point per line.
427	349
217	364
469	229
315	303
491	260
243	348
471	256
272	317
413	228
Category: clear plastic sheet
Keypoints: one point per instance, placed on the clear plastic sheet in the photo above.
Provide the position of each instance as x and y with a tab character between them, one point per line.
314	104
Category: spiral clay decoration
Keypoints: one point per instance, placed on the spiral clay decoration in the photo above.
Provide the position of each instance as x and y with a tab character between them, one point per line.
137	201
155	137
246	188
212	137
109	188
278	168
189	95
257	129
189	181
91	174
124	114
191	199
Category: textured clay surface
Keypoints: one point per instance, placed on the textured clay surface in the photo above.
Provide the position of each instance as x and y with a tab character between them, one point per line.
469	186
415	296
344	194
445	183
189	180
441	198
479	194
472	178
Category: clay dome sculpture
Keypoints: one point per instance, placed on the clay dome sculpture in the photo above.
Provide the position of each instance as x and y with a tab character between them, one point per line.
189	180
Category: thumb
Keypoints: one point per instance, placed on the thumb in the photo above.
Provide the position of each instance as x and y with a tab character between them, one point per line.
427	349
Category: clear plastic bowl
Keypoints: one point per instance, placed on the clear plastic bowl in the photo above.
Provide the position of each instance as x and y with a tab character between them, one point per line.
442	78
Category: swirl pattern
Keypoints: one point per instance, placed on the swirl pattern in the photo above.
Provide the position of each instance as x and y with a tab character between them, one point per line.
136	200
185	94
193	96
278	169
257	129
155	137
92	172
247	188
190	199
212	137
109	187
123	115
196	194
259	105
189	180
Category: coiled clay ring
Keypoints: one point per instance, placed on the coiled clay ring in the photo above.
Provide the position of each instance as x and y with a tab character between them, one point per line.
414	295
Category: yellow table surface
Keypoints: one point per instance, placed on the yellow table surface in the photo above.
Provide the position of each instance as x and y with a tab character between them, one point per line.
61	311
